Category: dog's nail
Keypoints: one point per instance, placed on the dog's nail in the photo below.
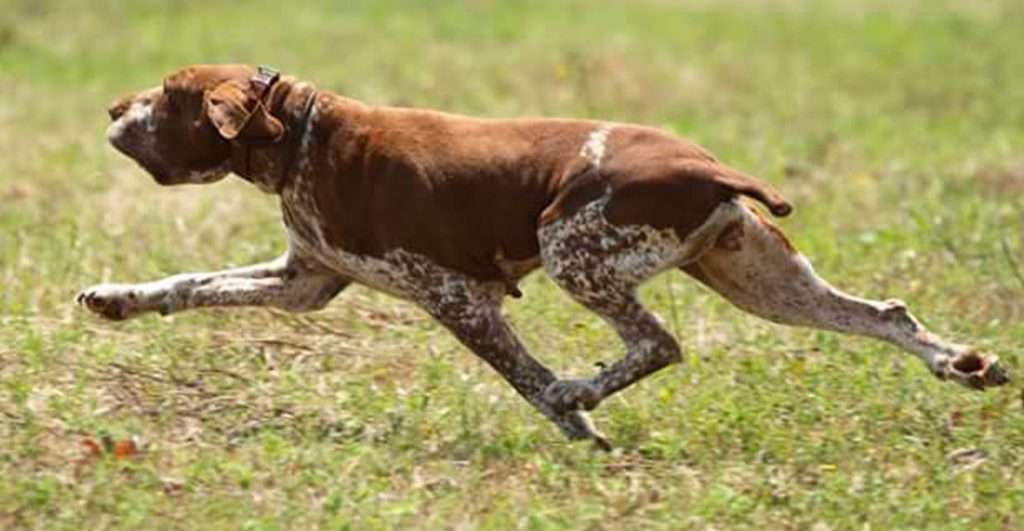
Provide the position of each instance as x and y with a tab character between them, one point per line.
602	444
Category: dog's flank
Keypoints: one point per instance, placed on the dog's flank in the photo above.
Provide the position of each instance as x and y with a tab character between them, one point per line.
450	212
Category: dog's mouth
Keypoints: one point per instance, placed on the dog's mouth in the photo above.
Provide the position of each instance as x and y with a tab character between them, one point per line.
139	148
131	132
119	138
129	127
131	146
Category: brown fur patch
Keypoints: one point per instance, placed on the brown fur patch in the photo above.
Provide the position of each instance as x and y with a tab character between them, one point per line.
730	237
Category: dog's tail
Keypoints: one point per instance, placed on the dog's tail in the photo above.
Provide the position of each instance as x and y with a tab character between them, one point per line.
748	185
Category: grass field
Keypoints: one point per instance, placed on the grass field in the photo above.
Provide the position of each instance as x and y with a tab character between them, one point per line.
896	128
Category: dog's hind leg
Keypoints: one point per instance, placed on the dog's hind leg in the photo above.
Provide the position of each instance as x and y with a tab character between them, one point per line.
649	348
752	264
600	264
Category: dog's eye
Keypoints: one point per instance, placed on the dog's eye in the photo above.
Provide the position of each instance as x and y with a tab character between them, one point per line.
169	93
172	99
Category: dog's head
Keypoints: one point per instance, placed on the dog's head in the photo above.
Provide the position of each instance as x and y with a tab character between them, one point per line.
182	131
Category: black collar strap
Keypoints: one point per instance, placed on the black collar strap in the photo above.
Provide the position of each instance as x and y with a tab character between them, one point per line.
301	130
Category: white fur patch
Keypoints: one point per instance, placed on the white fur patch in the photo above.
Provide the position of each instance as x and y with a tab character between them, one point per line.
210	175
645	250
596	145
138	112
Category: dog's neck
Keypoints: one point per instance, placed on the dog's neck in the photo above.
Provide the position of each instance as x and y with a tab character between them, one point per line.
271	166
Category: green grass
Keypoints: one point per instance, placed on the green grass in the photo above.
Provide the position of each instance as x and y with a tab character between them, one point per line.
896	127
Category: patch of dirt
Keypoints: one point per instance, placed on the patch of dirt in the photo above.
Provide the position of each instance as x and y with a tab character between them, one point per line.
1006	180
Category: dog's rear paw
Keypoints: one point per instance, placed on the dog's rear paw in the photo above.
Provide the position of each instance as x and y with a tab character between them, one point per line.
571	395
577	426
110	301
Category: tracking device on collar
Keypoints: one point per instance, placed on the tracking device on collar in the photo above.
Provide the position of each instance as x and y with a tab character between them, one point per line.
264	78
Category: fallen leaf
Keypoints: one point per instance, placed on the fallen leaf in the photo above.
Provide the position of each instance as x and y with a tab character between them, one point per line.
126	448
91	447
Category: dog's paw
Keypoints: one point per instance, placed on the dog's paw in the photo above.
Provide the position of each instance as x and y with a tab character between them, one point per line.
572	395
973	370
111	301
577	426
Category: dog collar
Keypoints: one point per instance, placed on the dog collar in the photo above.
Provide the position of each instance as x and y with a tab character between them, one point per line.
300	137
262	82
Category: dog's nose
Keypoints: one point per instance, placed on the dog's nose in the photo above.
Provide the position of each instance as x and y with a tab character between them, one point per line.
118	108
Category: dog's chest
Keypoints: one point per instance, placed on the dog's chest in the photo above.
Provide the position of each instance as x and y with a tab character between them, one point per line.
398	272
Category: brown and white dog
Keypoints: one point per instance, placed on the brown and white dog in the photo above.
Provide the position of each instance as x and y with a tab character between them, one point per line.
450	212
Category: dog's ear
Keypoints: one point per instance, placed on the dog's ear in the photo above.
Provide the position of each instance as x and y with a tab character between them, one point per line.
239	115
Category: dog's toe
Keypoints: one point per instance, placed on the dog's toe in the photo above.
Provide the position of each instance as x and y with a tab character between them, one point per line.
107	301
577	426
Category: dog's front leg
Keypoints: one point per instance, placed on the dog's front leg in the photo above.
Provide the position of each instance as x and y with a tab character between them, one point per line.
472	312
286	283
